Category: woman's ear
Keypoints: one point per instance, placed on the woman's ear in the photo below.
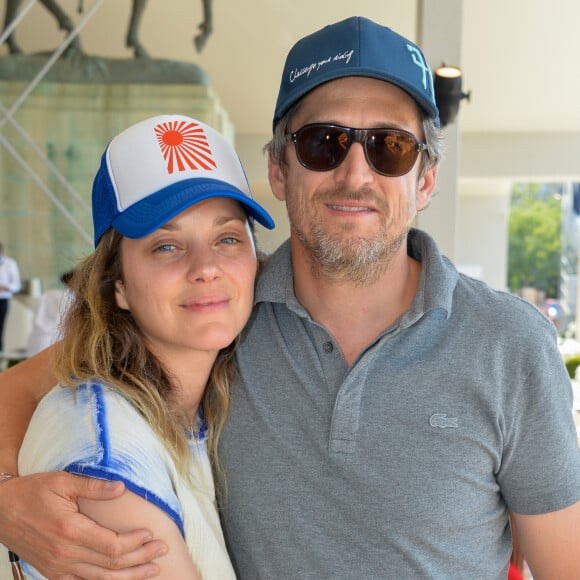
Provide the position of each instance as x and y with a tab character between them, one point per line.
121	296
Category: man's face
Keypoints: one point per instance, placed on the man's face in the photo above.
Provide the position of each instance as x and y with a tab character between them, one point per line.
351	220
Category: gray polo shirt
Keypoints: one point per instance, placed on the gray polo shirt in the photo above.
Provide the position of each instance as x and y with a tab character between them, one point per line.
405	464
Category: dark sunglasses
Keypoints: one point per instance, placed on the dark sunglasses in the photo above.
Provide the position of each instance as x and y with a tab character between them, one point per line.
322	147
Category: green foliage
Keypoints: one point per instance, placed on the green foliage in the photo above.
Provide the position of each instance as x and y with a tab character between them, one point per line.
572	363
534	240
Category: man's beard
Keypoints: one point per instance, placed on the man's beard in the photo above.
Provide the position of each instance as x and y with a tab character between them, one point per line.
340	257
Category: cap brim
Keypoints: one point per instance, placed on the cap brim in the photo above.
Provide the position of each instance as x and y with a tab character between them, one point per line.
157	209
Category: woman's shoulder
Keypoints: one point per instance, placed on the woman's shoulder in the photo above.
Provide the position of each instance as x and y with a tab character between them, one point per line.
91	423
92	396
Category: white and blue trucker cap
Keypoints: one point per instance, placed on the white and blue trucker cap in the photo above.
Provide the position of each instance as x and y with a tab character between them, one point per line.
356	46
155	169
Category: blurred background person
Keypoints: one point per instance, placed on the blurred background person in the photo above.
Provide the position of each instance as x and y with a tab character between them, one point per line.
9	284
48	315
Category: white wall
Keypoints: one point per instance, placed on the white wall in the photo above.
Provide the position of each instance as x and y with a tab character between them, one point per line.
482	229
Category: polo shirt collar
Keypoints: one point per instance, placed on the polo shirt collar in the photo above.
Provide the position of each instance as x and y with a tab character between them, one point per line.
436	285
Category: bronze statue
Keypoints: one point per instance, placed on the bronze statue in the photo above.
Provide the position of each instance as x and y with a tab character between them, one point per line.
132	41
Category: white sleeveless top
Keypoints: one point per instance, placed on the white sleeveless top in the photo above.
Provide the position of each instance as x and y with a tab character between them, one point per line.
97	432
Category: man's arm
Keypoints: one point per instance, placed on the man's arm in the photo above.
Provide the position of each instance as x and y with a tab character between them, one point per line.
551	543
21	387
39	517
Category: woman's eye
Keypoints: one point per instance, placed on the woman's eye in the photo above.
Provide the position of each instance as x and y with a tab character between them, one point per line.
165	248
229	240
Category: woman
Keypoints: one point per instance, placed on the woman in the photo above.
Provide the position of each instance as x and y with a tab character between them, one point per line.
49	313
145	363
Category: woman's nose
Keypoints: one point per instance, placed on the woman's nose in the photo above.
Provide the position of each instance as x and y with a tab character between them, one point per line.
204	265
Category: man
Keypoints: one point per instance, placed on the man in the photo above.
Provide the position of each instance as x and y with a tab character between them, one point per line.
9	285
389	411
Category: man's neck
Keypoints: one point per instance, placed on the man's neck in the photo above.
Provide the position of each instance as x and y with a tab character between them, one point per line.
353	314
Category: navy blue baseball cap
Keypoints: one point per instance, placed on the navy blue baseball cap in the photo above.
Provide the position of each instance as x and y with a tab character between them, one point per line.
356	46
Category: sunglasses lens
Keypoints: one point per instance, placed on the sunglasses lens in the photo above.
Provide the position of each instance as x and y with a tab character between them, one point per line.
390	152
323	147
320	147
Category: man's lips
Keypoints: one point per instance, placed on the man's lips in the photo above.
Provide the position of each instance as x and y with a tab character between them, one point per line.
350	207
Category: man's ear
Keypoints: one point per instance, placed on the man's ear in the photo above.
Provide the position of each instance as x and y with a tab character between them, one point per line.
277	179
120	295
426	186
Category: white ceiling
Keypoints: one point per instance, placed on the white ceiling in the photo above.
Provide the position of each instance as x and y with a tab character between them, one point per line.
521	62
521	58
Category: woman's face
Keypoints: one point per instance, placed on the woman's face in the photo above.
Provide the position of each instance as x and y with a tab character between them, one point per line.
190	284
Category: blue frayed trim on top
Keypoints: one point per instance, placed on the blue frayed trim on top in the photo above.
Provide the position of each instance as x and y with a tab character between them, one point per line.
103	468
104	473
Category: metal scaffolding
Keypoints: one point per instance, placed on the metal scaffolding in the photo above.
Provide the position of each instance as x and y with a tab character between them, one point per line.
7	116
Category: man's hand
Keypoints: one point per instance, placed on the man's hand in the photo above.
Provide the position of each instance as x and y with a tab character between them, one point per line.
40	521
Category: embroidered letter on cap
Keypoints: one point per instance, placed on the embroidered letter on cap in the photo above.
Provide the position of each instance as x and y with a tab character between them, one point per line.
419	60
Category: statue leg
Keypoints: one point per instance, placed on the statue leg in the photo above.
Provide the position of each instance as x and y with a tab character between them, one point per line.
64	22
206	27
11	11
133	30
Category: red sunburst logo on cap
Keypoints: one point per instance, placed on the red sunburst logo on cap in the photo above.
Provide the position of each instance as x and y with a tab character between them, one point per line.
184	146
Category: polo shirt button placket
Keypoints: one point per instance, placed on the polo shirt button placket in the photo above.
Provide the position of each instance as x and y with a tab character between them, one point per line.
328	347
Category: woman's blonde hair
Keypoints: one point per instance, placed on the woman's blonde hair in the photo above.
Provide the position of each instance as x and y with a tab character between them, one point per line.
102	341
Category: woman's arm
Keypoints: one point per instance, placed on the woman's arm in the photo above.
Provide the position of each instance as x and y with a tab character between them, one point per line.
40	521
130	511
39	518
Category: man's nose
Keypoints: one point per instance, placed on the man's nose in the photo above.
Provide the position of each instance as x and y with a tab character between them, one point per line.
355	171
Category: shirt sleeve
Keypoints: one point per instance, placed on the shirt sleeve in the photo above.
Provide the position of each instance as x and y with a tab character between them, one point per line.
94	431
540	469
